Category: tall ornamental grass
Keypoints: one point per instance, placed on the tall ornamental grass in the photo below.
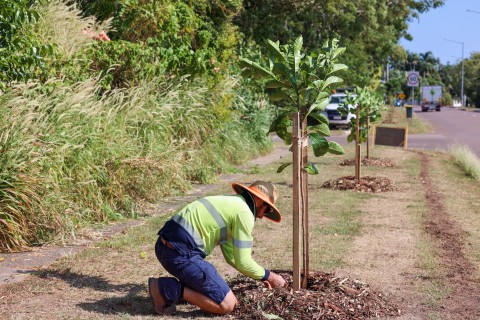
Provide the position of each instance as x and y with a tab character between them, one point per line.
466	160
76	155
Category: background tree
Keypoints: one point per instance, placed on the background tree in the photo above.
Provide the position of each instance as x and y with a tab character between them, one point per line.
369	29
366	105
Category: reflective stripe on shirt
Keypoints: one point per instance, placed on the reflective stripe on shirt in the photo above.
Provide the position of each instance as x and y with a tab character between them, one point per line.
242	244
189	228
218	219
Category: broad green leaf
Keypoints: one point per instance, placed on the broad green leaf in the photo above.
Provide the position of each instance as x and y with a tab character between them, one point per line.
320	117
274	47
281	128
273	84
337	52
297	53
331	80
279	95
258	70
335	148
338	67
318	106
311	169
351	136
319	144
321	128
283	166
283	70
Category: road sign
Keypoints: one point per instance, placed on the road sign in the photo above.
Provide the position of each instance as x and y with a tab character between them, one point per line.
413	78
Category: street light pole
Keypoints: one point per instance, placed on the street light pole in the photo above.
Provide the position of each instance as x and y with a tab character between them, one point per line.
461	90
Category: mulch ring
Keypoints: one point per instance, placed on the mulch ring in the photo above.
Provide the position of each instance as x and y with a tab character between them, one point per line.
370	162
365	184
326	297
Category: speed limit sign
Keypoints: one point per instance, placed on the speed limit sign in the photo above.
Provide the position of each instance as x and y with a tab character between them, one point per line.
413	79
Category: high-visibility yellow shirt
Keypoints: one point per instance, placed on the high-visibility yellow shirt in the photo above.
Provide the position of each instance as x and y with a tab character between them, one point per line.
226	221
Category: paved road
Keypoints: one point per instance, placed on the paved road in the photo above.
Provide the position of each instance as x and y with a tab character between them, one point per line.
450	126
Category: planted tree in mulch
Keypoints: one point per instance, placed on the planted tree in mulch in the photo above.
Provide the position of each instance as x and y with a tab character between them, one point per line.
366	106
300	84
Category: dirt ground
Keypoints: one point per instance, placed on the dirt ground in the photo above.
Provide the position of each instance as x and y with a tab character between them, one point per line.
383	262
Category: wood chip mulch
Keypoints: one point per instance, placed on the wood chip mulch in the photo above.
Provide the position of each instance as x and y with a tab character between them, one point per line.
326	297
365	184
370	162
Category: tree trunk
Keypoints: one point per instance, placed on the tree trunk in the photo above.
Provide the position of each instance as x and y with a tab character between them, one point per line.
297	200
357	145
368	134
304	197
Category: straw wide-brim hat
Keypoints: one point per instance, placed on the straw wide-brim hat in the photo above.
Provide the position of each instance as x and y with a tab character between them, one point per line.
266	191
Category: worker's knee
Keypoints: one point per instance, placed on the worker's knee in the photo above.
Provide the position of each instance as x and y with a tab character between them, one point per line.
229	303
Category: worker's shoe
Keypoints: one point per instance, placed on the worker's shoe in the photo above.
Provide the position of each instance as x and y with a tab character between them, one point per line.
160	304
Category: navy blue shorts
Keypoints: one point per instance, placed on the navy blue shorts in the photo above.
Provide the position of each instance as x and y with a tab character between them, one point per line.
193	272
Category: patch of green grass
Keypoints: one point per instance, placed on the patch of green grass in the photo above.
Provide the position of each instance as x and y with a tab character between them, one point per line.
435	292
466	160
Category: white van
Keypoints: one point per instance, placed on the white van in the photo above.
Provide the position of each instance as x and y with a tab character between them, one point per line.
336	119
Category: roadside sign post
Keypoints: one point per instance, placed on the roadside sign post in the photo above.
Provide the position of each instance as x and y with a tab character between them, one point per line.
413	78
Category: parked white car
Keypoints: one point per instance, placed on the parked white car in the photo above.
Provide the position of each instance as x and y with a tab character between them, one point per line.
335	118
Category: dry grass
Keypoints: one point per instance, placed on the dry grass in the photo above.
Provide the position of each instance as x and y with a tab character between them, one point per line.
63	25
94	158
466	160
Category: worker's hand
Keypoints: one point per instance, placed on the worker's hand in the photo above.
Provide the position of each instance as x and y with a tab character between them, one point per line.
274	281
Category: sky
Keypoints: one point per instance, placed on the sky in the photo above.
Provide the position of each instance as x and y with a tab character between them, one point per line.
452	21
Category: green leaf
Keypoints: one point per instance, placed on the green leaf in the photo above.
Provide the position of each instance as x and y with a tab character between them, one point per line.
319	144
321	128
283	70
331	80
297	55
257	69
273	84
338	52
283	166
338	67
351	136
311	168
279	95
281	128
335	148
274	48
319	105
320	117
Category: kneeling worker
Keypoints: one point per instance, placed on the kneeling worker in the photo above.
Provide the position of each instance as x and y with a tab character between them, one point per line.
192	234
